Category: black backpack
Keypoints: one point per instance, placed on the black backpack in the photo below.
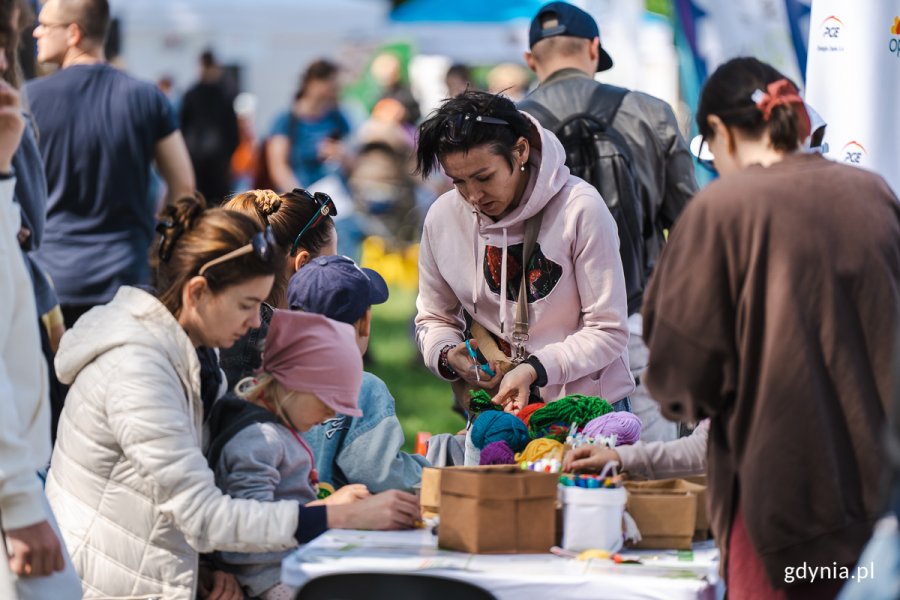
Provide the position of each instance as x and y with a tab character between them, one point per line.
597	153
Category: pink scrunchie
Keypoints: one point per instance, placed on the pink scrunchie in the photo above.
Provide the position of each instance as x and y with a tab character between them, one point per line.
783	92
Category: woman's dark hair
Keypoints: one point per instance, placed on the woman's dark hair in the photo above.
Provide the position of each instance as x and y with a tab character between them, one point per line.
319	70
286	214
454	128
728	95
190	235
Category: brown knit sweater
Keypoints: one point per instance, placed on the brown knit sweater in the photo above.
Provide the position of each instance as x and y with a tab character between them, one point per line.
773	311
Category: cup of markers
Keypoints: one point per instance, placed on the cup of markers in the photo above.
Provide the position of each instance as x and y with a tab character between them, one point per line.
593	507
590	482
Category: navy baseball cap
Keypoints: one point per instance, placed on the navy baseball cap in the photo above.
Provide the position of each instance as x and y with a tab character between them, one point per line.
570	20
336	287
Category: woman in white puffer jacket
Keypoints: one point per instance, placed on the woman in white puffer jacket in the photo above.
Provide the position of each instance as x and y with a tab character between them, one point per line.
131	489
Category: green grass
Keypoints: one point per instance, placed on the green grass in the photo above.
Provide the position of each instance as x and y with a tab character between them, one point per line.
423	400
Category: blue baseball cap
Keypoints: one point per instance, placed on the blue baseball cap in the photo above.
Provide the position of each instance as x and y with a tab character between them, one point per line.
336	287
571	21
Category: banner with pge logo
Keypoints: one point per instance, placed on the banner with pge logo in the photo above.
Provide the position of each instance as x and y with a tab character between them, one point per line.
853	82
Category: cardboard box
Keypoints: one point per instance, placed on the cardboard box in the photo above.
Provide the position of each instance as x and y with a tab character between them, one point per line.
497	510
665	512
430	492
695	485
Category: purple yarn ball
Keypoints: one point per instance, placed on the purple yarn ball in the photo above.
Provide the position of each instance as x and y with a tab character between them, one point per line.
626	426
497	453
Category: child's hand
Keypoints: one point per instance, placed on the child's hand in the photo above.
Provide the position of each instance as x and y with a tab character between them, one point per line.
589	458
388	510
348	494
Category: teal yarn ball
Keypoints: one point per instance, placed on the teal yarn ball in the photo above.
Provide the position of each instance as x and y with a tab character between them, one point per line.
496	426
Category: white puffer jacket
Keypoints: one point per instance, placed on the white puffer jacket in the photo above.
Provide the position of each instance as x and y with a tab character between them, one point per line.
129	485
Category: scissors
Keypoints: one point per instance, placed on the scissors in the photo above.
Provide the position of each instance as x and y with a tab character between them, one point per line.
482	364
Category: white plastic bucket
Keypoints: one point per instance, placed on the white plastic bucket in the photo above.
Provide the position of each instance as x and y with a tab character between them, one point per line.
592	518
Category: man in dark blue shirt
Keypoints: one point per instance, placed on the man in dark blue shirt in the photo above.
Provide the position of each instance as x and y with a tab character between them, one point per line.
100	129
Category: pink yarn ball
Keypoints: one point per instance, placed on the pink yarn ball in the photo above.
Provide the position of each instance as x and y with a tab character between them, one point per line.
626	426
497	453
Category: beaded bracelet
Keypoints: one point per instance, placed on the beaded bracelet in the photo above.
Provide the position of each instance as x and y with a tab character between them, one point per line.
444	364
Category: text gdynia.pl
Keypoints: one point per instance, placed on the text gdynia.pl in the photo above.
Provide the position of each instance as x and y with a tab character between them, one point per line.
811	573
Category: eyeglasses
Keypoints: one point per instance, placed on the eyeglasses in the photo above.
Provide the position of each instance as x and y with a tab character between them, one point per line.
460	125
52	25
326	208
262	244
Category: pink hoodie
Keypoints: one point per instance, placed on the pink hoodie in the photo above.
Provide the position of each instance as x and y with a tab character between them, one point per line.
578	319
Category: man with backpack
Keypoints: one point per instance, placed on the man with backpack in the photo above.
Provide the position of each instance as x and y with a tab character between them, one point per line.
626	144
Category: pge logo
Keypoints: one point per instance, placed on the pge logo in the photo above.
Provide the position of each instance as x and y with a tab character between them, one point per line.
853	153
831	28
894	44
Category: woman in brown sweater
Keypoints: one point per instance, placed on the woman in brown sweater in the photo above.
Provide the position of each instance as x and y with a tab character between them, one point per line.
772	312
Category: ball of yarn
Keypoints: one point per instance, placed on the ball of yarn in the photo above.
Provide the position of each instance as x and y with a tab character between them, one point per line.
540	448
625	425
493	426
497	453
530	409
480	402
555	419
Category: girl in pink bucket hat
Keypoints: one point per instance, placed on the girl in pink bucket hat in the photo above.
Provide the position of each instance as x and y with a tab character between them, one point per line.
311	371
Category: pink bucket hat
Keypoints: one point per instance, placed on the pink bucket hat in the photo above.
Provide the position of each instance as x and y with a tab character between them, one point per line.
307	352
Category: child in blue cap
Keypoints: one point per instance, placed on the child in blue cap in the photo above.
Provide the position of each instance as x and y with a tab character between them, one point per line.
349	449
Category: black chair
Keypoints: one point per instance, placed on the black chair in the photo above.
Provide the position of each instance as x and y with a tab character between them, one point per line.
390	586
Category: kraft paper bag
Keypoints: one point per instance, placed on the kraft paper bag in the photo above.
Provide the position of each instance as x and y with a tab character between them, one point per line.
430	494
497	510
694	485
665	512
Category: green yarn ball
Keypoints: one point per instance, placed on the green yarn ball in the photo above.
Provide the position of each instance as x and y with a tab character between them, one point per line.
555	419
481	402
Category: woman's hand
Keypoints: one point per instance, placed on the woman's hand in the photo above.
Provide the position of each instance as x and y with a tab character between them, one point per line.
218	585
469	370
348	495
392	509
590	458
515	388
11	125
34	551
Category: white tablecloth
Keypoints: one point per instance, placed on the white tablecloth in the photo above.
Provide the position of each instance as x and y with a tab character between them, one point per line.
662	575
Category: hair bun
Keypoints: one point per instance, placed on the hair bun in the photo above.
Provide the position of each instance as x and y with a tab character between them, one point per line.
175	219
267	201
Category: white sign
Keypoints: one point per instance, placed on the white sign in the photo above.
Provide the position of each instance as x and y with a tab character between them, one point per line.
853	81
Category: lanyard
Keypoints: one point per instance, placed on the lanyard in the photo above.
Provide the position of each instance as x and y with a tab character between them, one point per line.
313	473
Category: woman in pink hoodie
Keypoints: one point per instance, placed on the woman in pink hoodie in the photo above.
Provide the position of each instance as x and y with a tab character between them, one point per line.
506	169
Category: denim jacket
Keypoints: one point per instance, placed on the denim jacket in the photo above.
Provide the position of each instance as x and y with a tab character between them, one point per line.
366	449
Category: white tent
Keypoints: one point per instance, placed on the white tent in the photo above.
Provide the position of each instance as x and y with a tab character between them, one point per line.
271	41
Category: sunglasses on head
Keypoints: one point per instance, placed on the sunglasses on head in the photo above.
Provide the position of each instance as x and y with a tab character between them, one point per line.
700	149
460	125
326	208
262	244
